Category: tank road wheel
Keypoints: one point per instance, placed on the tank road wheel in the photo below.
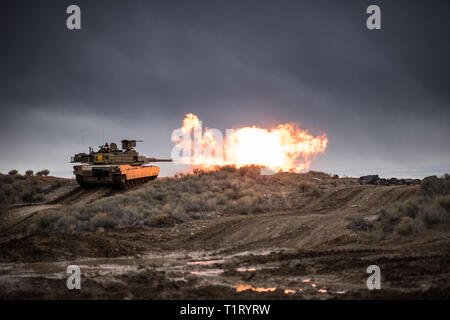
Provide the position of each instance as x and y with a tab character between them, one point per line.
128	184
120	182
81	182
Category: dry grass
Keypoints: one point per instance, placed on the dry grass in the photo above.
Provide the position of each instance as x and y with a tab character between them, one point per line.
201	195
23	189
411	217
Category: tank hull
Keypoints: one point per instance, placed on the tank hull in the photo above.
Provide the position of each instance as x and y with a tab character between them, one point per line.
120	176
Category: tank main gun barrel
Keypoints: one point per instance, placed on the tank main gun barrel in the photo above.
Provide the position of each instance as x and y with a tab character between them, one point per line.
158	160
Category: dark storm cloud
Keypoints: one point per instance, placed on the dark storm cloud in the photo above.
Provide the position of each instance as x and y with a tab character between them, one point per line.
136	67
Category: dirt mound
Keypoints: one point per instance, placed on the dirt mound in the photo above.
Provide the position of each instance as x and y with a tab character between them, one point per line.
44	247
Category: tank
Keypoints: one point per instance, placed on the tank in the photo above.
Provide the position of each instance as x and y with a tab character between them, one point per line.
122	168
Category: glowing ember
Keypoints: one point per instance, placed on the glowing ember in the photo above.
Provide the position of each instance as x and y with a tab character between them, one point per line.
313	285
283	148
322	290
289	291
245	287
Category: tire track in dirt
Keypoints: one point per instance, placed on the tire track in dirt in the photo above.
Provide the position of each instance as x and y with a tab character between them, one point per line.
309	227
15	219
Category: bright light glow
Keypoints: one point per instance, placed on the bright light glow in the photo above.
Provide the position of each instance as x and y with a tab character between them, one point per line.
283	148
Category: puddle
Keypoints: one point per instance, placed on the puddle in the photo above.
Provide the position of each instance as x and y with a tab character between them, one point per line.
244	269
206	265
207	272
289	291
245	287
205	262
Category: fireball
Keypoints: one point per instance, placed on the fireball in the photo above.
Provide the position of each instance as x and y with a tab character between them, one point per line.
285	147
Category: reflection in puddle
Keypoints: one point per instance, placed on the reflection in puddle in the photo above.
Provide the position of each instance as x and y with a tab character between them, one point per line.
244	269
245	287
289	291
178	265
306	280
209	272
205	262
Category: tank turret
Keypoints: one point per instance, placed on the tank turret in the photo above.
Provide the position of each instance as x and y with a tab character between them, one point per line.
111	165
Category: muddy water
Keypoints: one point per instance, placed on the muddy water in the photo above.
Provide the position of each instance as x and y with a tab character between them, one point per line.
206	267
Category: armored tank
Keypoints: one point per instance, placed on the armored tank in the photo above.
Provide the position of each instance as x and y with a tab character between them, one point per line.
121	168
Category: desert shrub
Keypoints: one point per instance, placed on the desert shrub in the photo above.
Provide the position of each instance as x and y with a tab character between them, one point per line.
443	201
50	188
13	172
3	197
171	200
31	196
44	172
244	205
161	220
308	187
198	172
45	222
393	213
101	220
227	169
8	190
250	171
231	194
66	223
410	209
435	215
6	179
194	203
405	227
221	199
29	173
411	217
432	186
359	224
17	188
215	189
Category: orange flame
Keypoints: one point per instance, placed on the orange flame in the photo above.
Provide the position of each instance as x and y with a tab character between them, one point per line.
283	148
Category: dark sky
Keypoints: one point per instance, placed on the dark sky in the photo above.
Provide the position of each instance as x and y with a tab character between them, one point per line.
137	67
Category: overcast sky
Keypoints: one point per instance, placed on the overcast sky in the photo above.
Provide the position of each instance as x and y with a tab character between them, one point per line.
137	67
